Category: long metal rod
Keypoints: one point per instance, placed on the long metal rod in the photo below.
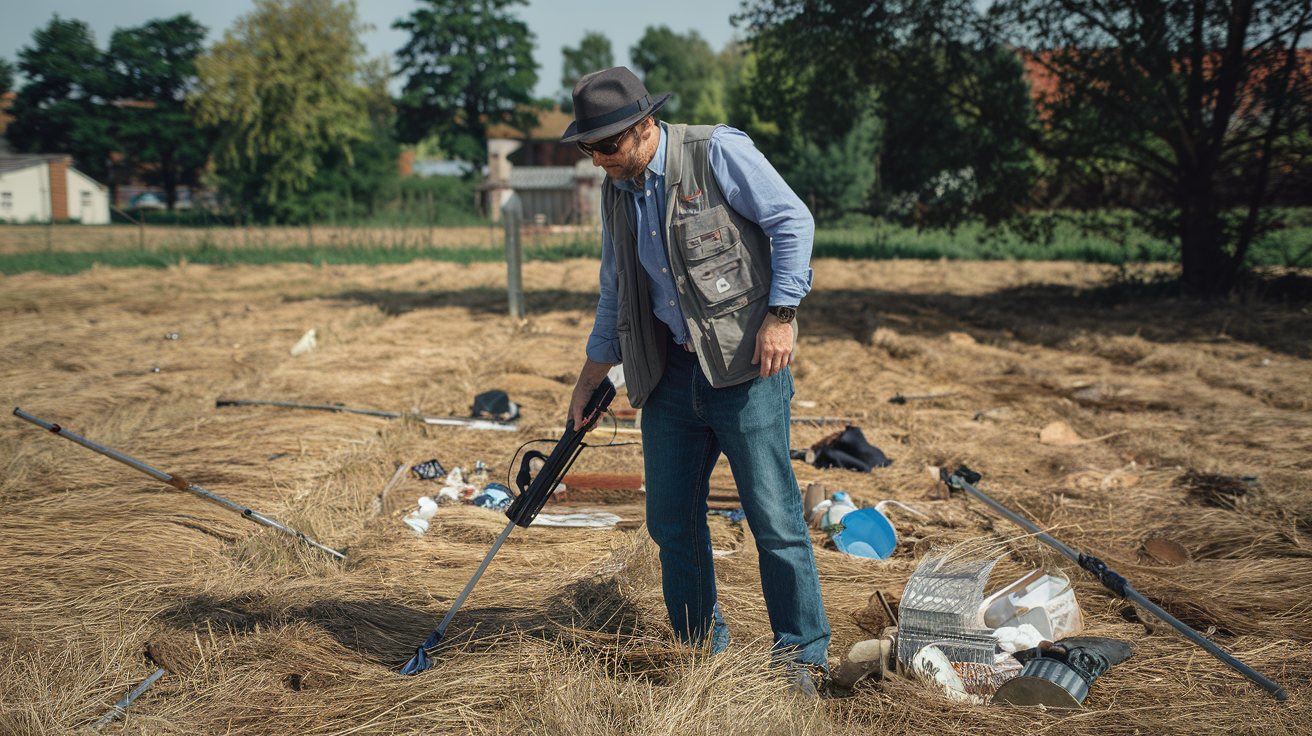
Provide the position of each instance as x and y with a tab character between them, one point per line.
420	661
121	707
176	481
1121	587
470	423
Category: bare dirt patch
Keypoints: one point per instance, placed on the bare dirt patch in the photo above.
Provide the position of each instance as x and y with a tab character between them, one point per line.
107	573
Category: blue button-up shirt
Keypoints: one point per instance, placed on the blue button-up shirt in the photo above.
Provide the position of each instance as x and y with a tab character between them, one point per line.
753	189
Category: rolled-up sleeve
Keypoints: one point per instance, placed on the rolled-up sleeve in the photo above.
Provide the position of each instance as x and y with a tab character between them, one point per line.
756	191
604	342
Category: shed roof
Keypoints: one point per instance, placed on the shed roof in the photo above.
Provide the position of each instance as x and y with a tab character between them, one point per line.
19	161
542	177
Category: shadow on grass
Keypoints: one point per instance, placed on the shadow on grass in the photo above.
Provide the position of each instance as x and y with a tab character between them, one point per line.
1273	313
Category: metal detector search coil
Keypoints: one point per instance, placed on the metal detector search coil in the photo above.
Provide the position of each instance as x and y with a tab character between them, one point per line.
533	495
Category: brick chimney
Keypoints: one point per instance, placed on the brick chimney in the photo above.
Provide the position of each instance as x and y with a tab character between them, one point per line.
59	189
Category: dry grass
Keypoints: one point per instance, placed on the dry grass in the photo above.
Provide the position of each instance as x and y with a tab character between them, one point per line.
567	632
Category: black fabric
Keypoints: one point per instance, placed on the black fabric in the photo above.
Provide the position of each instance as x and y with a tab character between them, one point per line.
849	450
429	470
608	101
494	404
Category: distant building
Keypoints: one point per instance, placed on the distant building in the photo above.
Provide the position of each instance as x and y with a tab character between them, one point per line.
556	182
46	188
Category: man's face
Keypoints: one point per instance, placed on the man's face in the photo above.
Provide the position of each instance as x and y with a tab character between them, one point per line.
627	161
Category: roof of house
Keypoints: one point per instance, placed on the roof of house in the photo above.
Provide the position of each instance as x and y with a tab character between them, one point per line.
17	161
551	126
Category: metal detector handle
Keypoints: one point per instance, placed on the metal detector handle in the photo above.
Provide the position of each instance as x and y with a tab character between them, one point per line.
530	501
1117	584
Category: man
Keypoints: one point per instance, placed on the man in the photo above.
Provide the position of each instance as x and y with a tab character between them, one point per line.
705	257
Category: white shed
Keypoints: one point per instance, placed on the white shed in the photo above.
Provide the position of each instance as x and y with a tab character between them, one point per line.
46	187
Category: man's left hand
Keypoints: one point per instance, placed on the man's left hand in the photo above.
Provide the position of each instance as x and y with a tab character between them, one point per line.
774	346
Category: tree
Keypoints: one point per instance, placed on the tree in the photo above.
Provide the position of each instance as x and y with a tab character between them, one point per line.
283	89
1209	102
593	54
956	109
150	70
469	63
686	66
6	77
61	107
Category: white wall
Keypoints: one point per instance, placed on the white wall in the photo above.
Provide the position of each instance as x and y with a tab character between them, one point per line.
29	194
88	201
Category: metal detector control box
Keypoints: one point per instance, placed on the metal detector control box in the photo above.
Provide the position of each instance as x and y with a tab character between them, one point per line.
535	490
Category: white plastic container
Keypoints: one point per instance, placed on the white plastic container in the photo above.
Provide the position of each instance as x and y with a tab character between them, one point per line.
842	506
1045	601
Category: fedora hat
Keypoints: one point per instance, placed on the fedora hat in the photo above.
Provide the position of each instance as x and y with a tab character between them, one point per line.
607	102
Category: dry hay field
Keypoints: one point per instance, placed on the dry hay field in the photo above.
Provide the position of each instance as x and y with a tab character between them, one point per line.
566	634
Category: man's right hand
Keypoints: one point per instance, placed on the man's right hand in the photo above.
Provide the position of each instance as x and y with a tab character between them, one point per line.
589	379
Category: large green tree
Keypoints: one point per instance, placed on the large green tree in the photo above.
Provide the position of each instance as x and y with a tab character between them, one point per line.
284	91
61	107
150	70
957	117
468	64
683	64
1207	102
593	54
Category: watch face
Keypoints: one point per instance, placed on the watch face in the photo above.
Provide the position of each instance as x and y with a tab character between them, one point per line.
785	314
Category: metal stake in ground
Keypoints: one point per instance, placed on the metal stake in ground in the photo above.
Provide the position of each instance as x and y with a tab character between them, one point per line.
1116	584
175	481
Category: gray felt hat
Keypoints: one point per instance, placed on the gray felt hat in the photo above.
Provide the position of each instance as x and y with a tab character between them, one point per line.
607	102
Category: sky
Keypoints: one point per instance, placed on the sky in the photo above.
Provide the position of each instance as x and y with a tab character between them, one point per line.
556	24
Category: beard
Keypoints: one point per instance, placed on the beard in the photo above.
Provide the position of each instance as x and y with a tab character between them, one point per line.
633	166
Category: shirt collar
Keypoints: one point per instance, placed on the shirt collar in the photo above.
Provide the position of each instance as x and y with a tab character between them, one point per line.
655	168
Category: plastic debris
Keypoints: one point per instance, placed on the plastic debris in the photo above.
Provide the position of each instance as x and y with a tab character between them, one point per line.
418	520
733	515
596	520
1060	676
868	532
495	496
429	470
304	345
1012	639
1045	601
841	505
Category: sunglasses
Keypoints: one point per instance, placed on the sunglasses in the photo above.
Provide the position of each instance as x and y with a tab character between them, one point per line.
606	146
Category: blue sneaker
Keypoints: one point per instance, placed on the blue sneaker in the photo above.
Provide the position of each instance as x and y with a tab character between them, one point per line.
719	631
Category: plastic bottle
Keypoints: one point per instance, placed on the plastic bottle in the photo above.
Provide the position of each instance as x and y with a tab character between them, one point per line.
842	506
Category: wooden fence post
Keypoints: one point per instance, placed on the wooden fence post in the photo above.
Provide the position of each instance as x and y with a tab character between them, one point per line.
512	215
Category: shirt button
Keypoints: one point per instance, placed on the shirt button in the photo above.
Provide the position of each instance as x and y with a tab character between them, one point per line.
671	304
663	270
653	233
648	192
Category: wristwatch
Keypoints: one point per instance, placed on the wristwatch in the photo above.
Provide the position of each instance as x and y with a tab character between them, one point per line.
784	314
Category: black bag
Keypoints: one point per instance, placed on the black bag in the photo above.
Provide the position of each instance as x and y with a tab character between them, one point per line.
494	404
849	450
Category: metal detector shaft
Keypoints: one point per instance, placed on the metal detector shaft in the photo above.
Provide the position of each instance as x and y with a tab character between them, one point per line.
1121	587
444	421
420	661
173	480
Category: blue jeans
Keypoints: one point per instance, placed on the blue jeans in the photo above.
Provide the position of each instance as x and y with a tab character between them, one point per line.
686	424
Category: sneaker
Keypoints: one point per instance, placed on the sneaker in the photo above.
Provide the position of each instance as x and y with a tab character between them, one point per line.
719	631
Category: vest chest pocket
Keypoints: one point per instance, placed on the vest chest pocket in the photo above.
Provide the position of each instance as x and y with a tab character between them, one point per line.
723	277
706	234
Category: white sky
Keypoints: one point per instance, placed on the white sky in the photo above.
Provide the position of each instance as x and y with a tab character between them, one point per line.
556	23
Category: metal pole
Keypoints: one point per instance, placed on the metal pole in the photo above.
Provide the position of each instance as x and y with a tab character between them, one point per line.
173	480
512	214
1121	587
121	707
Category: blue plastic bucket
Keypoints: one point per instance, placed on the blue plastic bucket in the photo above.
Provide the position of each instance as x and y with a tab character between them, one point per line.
866	533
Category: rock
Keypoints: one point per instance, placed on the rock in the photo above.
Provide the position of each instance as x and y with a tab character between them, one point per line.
1059	433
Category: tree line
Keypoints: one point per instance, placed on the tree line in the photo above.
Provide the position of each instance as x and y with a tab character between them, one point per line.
1194	116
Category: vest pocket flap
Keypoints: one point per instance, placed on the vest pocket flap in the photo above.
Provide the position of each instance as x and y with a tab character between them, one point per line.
706	233
723	277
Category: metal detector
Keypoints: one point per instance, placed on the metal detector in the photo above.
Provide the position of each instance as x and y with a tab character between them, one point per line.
965	478
533	494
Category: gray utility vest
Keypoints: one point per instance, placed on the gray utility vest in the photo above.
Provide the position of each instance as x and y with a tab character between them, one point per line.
720	261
